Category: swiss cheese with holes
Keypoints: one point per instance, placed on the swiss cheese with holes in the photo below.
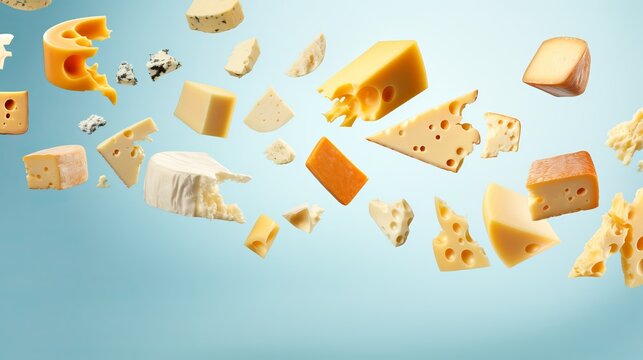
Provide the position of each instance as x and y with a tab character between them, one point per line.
59	168
262	235
632	250
393	219
503	134
14	112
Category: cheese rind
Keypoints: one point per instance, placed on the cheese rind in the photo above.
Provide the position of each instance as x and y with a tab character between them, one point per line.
206	109
269	113
280	153
626	138
304	217
393	219
243	58
5	39
214	16
309	59
436	136
161	63
632	250
503	134
14	112
262	235
26	5
59	168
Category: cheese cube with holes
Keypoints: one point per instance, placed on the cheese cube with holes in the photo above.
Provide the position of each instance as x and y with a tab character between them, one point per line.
309	59
214	16
335	171
454	249
269	113
393	219
206	109
123	155
304	217
262	235
59	168
561	185
243	58
632	250
626	138
503	134
386	76
14	114
436	137
514	235
560	67
5	40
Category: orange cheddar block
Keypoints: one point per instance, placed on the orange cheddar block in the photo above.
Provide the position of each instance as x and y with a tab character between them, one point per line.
335	171
66	48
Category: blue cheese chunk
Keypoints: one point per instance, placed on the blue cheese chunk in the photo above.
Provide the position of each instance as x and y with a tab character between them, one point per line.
161	63
214	16
92	124
26	5
125	74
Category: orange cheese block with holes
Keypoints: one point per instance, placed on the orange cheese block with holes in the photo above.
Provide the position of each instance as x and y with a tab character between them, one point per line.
57	168
14	112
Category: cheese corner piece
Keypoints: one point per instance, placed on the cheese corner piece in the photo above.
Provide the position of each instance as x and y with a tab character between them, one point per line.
26	5
123	155
188	184
514	236
560	67
632	250
243	58
503	134
640	165
384	77
161	63
309	59
66	48
304	217
262	236
393	219
436	137
454	249
269	113
280	153
626	138
335	171
57	168
14	112
206	109
561	185
5	39
214	16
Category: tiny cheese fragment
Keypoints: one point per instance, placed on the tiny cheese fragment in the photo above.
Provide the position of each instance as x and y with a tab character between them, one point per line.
632	250
380	80
214	16
561	185
262	235
503	134
125	74
641	165
393	219
161	63
102	182
206	109
309	59
436	137
26	5
560	67
454	249
57	168
335	171
626	138
243	58
514	235
14	112
123	155
304	217
5	39
269	113
66	48
280	153
91	124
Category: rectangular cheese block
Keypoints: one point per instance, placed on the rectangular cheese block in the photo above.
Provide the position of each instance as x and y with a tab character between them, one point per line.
206	109
393	219
503	134
262	235
214	16
626	138
632	250
14	112
561	185
57	168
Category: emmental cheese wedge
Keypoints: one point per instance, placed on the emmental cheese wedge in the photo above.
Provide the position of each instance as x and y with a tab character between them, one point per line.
262	235
59	168
503	134
632	250
14	112
66	48
626	138
436	137
393	219
561	185
206	109
384	77
514	235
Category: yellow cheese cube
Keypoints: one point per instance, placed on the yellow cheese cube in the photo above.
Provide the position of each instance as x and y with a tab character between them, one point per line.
206	109
632	250
262	235
57	168
14	112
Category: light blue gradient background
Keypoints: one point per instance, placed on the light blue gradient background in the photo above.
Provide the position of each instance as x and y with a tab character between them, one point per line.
97	274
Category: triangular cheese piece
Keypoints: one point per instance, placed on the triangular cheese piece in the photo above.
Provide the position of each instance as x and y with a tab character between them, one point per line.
304	217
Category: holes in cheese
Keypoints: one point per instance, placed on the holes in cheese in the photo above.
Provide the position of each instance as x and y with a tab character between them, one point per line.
269	113
393	219
627	138
14	114
632	250
206	109
59	168
262	236
310	58
5	39
303	217
503	134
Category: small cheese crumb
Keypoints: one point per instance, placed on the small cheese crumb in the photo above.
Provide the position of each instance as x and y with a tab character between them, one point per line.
161	63
280	153
102	182
5	39
125	74
92	124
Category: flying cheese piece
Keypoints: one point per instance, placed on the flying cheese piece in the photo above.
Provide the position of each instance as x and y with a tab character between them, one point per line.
304	217
161	63
626	138
503	134
67	46
641	166
262	235
206	109
243	58
310	58
27	5
102	182
393	219
269	113
5	39
14	112
59	168
91	124
214	16
384	77
280	153
632	250
125	74
436	137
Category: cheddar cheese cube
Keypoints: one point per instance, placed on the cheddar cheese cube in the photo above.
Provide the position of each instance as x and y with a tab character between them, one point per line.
262	235
59	168
206	109
14	112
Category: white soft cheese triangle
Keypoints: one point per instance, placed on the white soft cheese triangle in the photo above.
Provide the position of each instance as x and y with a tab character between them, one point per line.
304	217
310	58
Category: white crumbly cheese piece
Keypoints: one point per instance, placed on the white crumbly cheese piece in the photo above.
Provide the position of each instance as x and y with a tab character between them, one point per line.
269	113
214	16
626	138
393	219
92	124
125	74
310	58
26	5
304	217
102	182
243	58
280	153
503	134
5	39
161	63
187	183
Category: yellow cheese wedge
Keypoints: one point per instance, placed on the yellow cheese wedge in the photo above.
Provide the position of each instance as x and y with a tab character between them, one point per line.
436	137
632	250
59	168
14	112
514	235
503	134
206	109
262	235
304	217
384	77
393	219
626	138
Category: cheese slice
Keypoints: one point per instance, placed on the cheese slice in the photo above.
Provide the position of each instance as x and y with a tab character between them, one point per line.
214	16
123	155
26	5
393	219
262	235
503	134
14	112
5	39
304	217
436	137
102	182
206	109
243	58
560	67
561	185
514	235
386	76
310	58
280	153
59	168
269	113
626	138
632	250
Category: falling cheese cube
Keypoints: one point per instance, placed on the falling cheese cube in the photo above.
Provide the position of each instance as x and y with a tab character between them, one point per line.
262	235
14	112
5	39
309	59
26	5
304	217
269	113
632	250
503	134
280	153
560	67
243	58
214	16
59	168
206	109
514	235
380	80
393	219
626	138
436	137
561	185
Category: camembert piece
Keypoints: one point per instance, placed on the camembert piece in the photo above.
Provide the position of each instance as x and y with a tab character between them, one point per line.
67	46
187	183
384	77
102	182
214	16
280	153
514	235
310	58
26	5
262	236
123	155
454	248
335	171
243	58
560	67
269	113
5	39
57	168
206	109
632	250
627	138
393	219
14	112
503	134
304	217
561	185
436	137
